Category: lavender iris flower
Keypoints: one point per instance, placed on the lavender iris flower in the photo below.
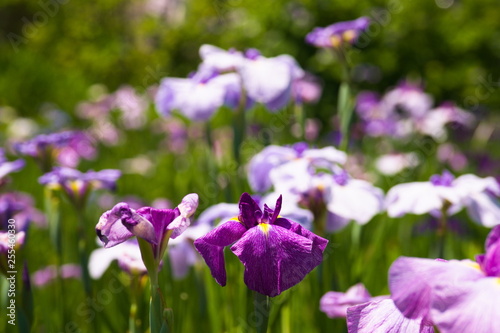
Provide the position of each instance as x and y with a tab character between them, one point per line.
277	253
478	195
269	81
273	156
200	96
456	296
78	185
156	226
335	191
338	34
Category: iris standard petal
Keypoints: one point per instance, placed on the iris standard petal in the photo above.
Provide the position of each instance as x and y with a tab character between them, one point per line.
211	247
248	211
275	258
467	306
382	316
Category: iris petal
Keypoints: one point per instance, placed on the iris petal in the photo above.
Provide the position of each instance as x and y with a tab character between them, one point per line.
211	247
275	259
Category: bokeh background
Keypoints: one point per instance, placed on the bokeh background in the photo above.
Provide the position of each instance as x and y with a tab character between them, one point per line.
54	55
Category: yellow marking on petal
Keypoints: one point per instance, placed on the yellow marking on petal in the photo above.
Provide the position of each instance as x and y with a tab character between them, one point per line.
335	40
75	185
234	218
498	280
265	228
349	35
474	265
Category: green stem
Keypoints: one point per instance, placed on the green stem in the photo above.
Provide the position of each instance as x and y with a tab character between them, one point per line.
239	126
82	251
262	308
135	286
300	118
344	104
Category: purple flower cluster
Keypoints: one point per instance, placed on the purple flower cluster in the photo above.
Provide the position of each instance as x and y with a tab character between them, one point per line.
405	110
313	179
77	185
236	79
66	148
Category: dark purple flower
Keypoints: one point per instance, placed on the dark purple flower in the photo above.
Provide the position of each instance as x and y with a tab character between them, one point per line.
77	185
156	226
277	253
338	33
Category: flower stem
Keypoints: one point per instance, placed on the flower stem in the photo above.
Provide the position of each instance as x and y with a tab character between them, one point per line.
442	229
262	307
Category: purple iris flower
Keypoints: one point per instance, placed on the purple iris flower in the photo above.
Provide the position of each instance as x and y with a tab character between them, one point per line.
66	146
77	185
335	303
273	156
199	96
277	253
7	167
455	296
156	226
269	81
338	34
329	189
478	195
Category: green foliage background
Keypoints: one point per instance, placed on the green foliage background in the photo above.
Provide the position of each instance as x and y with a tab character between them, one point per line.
54	53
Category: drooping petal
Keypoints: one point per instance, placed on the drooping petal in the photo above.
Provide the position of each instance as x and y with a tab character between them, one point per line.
319	243
467	306
275	258
382	316
418	198
356	200
411	281
211	247
483	208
